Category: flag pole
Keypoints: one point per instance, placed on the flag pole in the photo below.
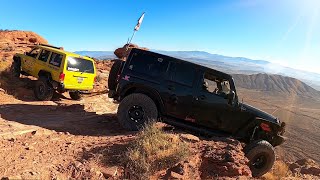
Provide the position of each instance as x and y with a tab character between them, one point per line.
134	32
136	28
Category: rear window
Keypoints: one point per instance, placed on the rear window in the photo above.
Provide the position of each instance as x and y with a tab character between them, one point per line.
80	65
148	64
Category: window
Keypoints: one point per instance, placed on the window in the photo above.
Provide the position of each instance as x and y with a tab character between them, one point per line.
216	85
44	55
34	53
182	73
80	65
209	85
56	59
148	64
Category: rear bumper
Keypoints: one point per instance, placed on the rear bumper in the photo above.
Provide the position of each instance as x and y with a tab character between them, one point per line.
62	87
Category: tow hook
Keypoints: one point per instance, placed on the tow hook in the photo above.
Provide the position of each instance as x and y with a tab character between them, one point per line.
282	128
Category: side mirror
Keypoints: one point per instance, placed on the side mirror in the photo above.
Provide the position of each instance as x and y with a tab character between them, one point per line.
231	97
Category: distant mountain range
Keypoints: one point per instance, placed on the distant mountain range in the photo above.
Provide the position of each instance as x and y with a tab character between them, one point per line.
97	54
232	65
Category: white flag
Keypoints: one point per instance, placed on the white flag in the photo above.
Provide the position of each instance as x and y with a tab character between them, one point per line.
139	23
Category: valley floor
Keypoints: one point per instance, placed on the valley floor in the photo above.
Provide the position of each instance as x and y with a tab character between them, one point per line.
302	116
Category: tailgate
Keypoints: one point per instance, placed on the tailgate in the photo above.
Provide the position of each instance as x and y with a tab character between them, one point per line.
79	81
79	74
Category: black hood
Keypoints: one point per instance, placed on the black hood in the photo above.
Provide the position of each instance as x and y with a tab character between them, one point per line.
259	113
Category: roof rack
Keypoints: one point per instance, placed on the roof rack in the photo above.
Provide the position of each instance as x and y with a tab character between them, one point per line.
47	45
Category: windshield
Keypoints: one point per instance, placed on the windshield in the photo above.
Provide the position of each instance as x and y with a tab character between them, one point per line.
80	65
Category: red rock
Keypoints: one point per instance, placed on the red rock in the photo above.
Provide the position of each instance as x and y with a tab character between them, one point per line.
12	42
310	170
124	51
225	159
174	175
189	138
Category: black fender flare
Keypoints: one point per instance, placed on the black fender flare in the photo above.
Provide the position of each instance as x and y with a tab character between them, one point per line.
258	127
150	92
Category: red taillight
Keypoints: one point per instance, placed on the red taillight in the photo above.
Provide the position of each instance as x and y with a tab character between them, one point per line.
62	76
265	127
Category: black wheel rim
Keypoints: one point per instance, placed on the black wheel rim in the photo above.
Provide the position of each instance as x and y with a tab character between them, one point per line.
41	90
16	70
259	161
136	113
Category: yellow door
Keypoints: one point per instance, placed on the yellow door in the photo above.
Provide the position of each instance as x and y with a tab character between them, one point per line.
41	61
28	61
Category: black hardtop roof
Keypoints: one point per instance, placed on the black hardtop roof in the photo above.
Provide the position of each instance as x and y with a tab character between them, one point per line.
176	59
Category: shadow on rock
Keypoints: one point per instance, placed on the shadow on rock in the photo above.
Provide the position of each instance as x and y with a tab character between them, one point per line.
63	118
21	88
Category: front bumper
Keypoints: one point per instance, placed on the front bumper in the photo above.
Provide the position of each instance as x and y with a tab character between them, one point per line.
278	140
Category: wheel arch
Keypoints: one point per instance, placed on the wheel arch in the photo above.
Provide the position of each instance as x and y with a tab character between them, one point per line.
150	92
17	59
259	128
43	73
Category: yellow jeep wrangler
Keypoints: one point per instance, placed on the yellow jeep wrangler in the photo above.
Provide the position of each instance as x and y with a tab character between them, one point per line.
56	70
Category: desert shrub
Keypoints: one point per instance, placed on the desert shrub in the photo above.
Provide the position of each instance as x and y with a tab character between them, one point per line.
279	171
153	150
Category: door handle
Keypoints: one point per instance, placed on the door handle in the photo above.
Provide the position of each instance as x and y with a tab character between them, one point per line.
171	87
174	99
202	97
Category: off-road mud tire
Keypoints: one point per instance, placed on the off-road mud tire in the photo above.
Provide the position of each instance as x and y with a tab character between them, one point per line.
46	93
75	95
256	149
113	74
149	108
16	68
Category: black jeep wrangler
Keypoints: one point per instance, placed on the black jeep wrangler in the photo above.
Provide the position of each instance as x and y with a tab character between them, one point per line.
152	86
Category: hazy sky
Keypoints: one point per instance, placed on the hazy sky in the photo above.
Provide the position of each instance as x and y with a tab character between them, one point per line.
282	31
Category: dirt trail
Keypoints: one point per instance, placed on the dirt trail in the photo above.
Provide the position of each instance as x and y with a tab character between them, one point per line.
46	139
68	139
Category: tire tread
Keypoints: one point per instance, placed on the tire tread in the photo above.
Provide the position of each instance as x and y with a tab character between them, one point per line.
260	146
130	100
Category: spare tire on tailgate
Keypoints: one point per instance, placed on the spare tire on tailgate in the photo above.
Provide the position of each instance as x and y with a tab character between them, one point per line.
113	74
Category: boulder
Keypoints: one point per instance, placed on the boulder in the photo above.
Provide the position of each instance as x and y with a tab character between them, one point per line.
124	51
189	138
305	166
12	42
223	158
